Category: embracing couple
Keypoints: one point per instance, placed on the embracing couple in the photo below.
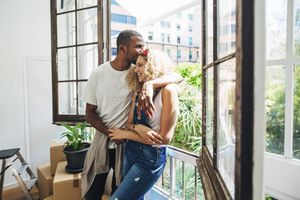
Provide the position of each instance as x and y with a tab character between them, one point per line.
134	111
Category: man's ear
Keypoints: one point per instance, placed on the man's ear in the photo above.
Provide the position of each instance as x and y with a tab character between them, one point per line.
122	48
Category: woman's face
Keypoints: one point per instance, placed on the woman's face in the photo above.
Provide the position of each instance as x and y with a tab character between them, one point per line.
140	68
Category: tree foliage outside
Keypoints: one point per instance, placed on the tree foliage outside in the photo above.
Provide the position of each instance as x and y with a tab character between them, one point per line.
275	108
188	130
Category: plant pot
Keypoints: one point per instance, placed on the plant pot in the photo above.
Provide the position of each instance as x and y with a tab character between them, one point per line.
75	159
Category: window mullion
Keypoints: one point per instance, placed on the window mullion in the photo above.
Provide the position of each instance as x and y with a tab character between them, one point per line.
288	128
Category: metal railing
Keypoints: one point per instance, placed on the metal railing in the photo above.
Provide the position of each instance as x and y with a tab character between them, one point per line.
180	179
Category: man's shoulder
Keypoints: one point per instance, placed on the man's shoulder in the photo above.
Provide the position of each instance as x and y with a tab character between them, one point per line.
101	68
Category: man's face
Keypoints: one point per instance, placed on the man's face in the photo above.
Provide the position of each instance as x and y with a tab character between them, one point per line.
135	47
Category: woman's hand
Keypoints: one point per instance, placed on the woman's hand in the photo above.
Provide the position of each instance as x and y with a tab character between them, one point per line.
149	136
116	134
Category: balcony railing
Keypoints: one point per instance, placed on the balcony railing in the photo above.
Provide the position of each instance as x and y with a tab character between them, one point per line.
180	179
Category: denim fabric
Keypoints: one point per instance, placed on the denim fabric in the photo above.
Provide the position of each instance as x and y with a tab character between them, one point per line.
143	120
143	165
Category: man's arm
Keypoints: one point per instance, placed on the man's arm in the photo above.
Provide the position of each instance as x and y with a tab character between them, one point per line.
145	102
93	118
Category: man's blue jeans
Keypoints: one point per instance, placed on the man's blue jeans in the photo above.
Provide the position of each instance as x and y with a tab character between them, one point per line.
143	165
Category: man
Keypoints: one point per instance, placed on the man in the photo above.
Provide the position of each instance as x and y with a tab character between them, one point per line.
108	100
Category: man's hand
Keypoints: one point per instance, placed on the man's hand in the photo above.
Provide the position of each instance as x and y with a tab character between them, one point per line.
149	136
115	134
145	102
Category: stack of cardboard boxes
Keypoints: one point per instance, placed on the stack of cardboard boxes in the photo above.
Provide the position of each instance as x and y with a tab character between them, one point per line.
54	182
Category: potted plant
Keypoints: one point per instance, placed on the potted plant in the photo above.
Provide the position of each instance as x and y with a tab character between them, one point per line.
76	146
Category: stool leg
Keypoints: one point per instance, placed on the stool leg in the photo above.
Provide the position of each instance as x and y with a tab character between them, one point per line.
21	184
2	177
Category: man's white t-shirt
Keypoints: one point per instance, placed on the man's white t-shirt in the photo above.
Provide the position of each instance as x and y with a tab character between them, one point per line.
108	90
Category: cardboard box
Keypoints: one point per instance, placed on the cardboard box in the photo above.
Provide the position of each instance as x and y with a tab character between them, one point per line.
45	180
48	198
66	186
56	154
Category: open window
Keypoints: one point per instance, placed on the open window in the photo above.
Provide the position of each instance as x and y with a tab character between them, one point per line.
76	37
227	115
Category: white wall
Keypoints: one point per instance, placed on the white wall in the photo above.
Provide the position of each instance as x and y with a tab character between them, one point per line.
25	75
282	176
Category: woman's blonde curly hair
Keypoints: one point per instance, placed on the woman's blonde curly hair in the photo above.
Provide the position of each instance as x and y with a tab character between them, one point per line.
157	64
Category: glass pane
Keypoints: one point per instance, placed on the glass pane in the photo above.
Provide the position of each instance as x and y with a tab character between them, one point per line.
66	29
87	26
275	108
296	145
63	5
67	98
209	109
226	125
297	28
226	27
86	3
81	103
66	59
276	28
209	32
87	60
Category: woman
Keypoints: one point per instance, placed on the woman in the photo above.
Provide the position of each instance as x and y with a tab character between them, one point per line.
145	159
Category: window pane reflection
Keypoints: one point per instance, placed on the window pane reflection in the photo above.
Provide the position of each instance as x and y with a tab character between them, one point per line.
66	64
86	3
66	29
296	138
87	60
209	32
297	28
63	6
275	108
276	28
226	27
67	98
81	102
87	26
209	109
226	126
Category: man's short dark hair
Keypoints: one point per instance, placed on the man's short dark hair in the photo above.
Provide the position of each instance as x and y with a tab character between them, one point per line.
125	37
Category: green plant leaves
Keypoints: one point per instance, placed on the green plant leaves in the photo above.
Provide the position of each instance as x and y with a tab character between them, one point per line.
76	136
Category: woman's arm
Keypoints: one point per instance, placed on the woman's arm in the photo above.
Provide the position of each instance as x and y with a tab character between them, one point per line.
119	134
146	133
170	107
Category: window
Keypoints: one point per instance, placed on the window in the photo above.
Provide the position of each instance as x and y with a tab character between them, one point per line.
115	33
283	79
162	24
125	19
190	41
113	51
168	25
75	40
178	54
190	28
178	27
190	17
168	38
219	106
150	35
190	55
169	52
178	39
162	37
